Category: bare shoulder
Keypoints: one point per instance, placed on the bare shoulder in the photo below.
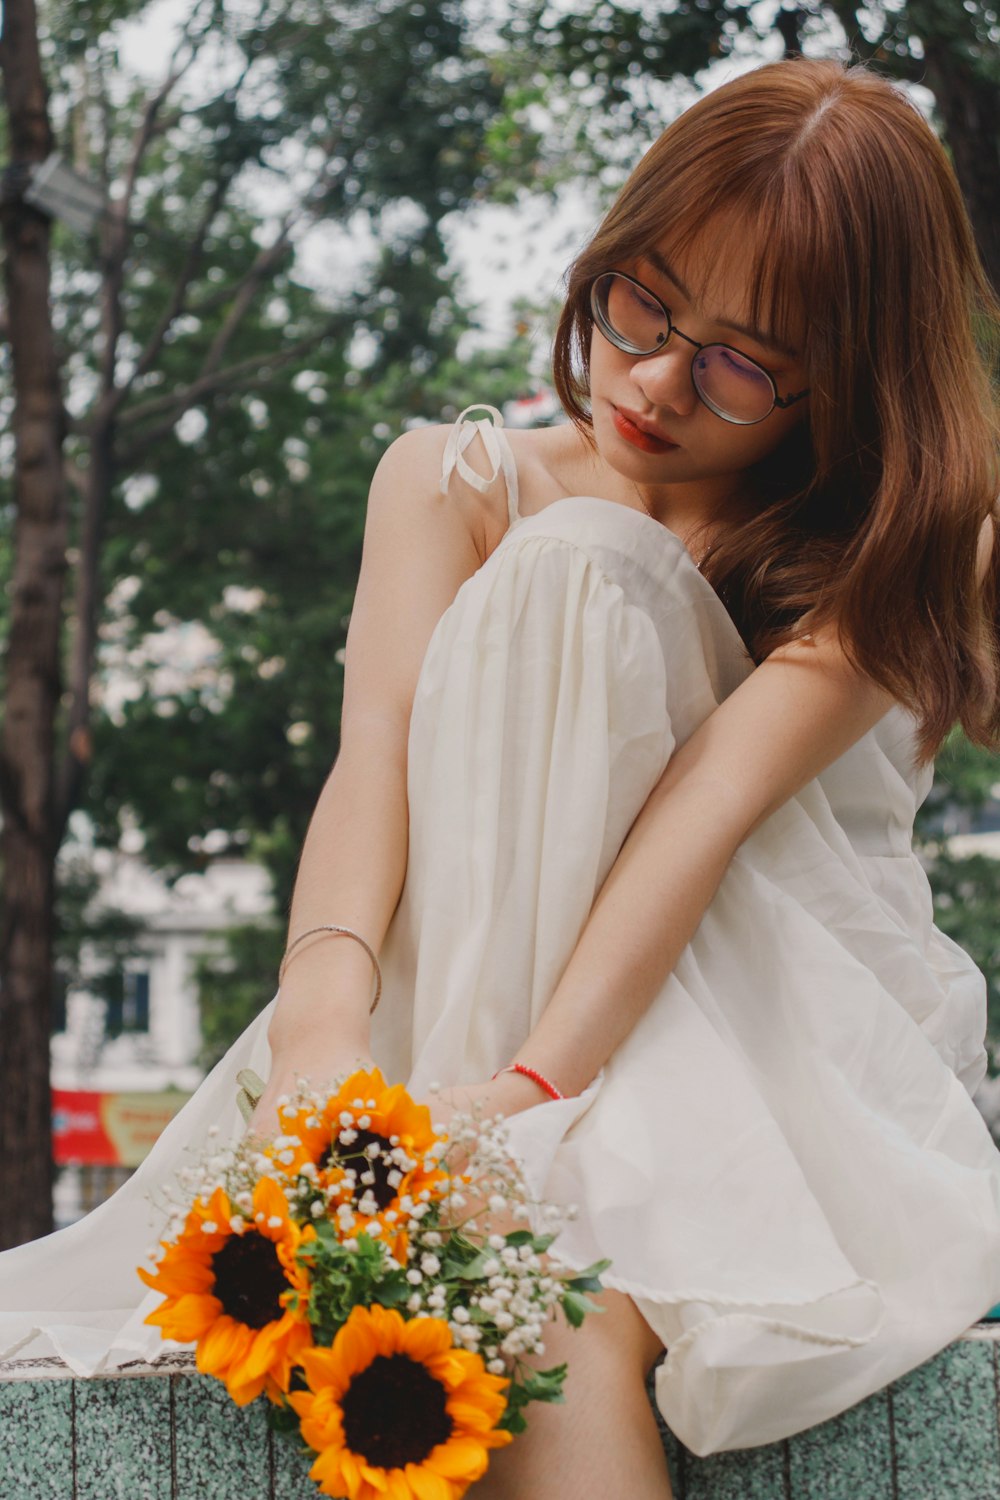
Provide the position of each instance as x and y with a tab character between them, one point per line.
550	461
414	463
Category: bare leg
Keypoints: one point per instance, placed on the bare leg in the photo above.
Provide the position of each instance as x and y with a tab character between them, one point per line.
603	1440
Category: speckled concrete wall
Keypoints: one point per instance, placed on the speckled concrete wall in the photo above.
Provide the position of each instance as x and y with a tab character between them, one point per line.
172	1434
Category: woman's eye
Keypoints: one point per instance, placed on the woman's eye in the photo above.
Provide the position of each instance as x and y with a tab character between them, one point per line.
739	365
644	302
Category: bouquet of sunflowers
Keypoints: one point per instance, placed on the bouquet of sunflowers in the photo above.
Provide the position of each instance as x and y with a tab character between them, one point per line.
352	1270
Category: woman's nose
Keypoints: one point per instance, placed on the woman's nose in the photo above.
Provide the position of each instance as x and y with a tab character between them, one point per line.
665	379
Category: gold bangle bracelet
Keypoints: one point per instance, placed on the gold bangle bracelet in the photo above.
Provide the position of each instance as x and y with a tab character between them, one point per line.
337	931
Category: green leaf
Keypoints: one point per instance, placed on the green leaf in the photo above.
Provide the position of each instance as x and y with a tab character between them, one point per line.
576	1307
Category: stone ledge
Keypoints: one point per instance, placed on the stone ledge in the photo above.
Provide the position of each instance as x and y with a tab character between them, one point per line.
140	1434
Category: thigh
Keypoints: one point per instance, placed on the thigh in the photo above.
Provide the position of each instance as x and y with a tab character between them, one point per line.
603	1439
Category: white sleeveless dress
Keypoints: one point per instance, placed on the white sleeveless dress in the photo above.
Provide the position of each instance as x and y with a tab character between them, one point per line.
782	1160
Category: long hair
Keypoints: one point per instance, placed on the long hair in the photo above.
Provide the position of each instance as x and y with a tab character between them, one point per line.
867	515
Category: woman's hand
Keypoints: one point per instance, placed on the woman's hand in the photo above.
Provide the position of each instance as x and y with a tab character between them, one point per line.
321	1069
507	1094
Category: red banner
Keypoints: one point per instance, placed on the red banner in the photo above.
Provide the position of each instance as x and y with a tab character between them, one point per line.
109	1130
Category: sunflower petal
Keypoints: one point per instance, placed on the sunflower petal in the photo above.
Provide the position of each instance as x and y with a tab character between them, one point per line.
423	1338
460	1458
426	1485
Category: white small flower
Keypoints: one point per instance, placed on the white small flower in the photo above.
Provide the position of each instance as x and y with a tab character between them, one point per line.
497	1203
496	1367
209	1226
430	1264
414	1277
461	1315
275	1222
497	1242
504	1319
236	1223
365	1121
415	1302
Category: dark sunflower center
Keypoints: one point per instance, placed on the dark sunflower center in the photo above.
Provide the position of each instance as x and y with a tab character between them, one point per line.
380	1166
394	1412
249	1278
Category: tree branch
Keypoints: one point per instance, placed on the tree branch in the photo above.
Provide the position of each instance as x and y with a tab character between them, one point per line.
174	405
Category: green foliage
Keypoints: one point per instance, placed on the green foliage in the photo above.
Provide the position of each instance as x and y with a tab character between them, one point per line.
966	887
966	903
342	1279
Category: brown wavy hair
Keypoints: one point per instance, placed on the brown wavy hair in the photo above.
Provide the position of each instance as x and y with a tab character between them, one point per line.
868	513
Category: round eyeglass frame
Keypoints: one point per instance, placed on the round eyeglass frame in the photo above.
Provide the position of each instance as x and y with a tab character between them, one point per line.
615	338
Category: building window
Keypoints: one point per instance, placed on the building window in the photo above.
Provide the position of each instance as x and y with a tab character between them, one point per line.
128	1003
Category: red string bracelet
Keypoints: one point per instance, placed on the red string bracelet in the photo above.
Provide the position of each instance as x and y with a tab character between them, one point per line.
533	1073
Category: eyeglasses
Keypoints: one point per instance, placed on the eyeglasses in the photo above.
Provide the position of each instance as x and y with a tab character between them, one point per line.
731	384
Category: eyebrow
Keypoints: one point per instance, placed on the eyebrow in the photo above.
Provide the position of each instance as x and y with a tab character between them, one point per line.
768	340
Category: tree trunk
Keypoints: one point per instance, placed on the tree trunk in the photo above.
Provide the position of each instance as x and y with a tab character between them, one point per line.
33	680
968	101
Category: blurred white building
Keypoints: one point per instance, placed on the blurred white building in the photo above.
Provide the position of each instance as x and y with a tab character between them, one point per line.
118	1062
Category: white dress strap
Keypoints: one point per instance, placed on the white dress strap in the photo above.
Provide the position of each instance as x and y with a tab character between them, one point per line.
498	450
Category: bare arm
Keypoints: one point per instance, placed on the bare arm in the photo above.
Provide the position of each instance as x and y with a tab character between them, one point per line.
419	547
795	714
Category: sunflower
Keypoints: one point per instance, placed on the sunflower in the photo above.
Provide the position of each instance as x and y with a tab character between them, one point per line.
376	1132
396	1412
229	1290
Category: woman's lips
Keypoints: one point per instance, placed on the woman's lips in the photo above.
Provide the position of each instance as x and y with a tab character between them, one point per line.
635	435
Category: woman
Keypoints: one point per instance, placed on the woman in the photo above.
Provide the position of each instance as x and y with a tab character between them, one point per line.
777	405
634	730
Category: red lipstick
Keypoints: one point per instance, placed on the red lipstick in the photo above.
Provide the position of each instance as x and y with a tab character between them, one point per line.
637	436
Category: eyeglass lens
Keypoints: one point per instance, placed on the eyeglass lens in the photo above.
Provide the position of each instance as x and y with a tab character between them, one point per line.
729	383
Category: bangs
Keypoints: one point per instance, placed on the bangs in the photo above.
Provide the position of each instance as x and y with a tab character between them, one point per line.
758	235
